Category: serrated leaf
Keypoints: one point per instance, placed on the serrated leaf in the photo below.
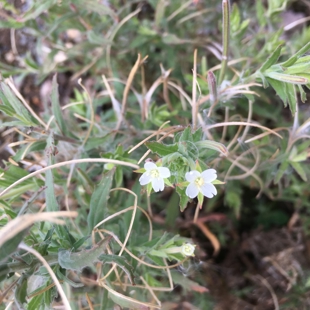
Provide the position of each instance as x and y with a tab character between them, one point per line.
162	149
56	107
99	200
186	135
77	261
197	135
272	59
298	168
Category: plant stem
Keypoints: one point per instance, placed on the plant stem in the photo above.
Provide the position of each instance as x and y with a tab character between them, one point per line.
226	31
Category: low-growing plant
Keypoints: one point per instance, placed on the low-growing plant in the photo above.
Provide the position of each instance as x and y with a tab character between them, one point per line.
157	104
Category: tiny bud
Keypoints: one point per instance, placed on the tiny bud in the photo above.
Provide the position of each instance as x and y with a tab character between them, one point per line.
212	86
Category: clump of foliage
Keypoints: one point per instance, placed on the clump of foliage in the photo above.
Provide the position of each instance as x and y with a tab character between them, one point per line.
185	98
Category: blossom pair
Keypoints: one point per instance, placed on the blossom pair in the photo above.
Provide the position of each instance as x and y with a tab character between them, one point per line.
199	182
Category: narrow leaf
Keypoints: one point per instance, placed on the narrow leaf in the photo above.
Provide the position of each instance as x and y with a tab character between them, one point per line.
298	168
282	169
56	107
99	200
294	58
293	79
292	98
272	59
161	149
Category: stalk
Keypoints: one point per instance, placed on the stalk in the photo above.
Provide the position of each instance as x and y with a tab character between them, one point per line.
226	31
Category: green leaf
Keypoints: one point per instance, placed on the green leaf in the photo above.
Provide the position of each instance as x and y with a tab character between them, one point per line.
235	18
31	147
79	242
260	13
21	112
272	59
51	202
62	276
287	78
38	8
212	145
186	135
35	302
282	169
197	135
21	292
99	200
303	94
78	261
172	210
183	198
279	87
120	262
291	96
299	169
294	58
302	67
161	149
11	245
56	107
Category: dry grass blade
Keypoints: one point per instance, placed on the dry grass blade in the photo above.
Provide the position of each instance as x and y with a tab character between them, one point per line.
69	162
50	271
245	124
22	222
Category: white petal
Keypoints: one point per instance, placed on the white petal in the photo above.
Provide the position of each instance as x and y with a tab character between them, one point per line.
145	178
192	175
158	184
209	175
149	165
192	190
164	172
208	190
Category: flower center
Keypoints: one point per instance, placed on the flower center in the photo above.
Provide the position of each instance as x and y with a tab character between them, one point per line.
154	173
199	182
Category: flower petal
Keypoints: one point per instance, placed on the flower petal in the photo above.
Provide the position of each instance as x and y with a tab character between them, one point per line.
192	190
208	190
192	175
209	175
164	172
158	184
145	178
149	165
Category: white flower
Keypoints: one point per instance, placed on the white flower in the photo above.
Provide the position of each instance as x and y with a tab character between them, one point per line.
188	249
201	183
156	175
